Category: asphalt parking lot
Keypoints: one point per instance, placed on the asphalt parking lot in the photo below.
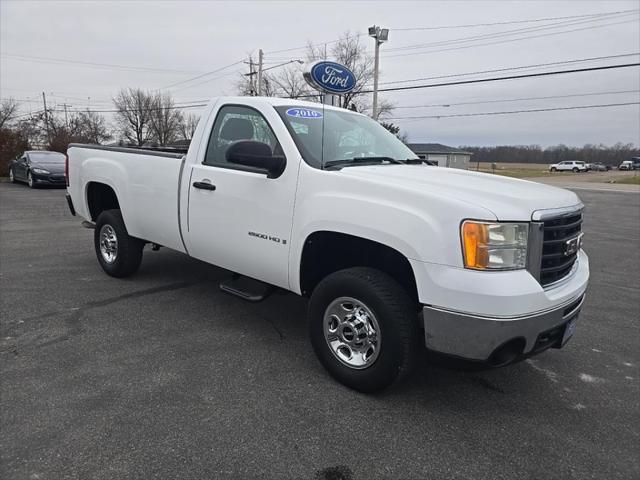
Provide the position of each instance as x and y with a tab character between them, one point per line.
163	376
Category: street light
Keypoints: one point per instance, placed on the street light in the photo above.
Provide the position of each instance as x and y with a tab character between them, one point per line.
380	35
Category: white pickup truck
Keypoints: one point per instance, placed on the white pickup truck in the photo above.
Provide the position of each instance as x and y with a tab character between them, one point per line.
326	203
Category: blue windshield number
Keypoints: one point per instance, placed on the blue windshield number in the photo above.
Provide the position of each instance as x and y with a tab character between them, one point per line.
303	113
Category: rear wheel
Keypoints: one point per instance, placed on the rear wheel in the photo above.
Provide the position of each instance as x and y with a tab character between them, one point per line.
575	170
118	253
364	328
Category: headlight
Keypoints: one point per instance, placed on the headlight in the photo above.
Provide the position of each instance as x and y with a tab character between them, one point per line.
40	170
494	246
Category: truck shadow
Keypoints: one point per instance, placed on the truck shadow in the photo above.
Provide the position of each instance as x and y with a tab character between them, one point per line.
436	380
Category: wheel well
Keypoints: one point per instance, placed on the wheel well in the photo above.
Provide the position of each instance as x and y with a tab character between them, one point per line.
328	252
100	197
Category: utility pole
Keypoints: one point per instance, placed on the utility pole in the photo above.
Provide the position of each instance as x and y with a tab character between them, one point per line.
252	91
46	117
66	119
260	55
375	80
380	35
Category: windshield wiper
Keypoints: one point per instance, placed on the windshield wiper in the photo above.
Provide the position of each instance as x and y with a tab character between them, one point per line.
418	161
360	160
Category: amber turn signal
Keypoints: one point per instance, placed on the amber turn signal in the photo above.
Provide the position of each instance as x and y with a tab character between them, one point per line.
475	237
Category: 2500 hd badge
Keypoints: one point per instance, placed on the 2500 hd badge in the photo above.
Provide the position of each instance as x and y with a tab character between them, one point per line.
264	236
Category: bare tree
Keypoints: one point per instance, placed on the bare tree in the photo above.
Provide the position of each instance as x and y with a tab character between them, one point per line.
134	115
287	81
93	127
188	125
8	110
290	82
165	119
350	52
247	85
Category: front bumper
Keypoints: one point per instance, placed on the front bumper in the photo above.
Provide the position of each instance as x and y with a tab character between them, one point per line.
473	316
49	179
478	338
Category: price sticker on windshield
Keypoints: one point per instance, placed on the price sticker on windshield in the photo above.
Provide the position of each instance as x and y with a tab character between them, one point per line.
303	113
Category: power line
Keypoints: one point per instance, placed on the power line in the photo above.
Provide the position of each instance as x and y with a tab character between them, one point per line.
202	75
115	110
511	21
206	81
593	15
511	77
509	40
518	31
480	102
29	58
493	79
577	107
581	60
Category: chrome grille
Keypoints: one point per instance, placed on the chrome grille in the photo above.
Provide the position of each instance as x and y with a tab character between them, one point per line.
560	246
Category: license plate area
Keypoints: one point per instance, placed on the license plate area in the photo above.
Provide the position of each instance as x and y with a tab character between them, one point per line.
569	330
556	337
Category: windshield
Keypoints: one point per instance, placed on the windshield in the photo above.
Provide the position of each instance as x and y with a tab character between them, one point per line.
342	137
46	158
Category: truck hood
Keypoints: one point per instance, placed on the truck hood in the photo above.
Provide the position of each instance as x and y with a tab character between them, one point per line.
506	198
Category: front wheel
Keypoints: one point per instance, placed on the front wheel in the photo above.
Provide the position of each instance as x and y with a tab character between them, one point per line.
554	169
364	328
119	254
12	179
30	181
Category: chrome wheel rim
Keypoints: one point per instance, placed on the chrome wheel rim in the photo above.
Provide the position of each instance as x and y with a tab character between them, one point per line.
10	175
108	244
30	180
352	332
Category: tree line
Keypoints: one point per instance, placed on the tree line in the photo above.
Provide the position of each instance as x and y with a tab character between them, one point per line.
140	118
610	155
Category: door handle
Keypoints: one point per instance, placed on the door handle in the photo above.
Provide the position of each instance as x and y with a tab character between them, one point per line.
204	185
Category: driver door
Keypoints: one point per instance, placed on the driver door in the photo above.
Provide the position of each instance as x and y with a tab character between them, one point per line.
20	169
242	220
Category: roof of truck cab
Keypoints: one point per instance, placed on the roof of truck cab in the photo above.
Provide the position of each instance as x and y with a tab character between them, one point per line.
282	102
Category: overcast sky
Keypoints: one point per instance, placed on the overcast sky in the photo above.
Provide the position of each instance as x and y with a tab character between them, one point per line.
169	42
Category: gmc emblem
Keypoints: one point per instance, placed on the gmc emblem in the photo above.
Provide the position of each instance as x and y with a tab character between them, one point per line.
572	245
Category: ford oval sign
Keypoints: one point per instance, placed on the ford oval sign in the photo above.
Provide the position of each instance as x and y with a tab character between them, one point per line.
330	77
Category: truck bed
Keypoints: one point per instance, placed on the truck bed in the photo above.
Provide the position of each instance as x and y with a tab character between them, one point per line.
146	182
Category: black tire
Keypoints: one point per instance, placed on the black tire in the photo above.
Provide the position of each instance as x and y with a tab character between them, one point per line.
128	253
12	177
30	181
575	170
554	169
397	318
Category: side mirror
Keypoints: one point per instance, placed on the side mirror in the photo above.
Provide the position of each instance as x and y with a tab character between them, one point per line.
257	155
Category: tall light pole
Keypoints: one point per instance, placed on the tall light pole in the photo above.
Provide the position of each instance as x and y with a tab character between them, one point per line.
260	55
380	35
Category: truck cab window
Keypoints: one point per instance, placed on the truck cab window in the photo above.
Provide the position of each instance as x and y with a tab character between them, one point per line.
234	123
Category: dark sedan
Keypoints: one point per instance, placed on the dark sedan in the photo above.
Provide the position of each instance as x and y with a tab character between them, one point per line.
38	167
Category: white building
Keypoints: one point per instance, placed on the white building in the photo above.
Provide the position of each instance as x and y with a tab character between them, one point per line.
441	154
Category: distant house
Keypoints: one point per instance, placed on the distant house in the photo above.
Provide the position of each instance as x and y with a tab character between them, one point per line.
443	155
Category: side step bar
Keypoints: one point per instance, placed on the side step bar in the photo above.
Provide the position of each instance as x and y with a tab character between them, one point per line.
246	288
